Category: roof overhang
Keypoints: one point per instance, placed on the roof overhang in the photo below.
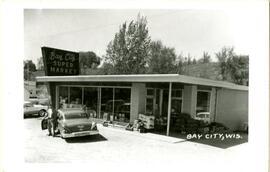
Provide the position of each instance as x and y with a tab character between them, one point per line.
174	78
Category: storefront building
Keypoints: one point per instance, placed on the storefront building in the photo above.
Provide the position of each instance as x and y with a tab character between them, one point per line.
123	97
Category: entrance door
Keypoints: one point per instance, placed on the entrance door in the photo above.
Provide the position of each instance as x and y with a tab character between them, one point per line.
176	107
165	98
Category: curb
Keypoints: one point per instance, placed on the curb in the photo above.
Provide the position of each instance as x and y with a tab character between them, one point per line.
150	136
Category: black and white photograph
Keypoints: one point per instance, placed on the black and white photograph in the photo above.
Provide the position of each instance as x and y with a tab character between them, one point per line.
140	88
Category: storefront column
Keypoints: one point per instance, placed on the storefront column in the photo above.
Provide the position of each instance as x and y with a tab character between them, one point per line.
99	102
212	104
57	98
169	109
160	102
113	102
190	99
138	95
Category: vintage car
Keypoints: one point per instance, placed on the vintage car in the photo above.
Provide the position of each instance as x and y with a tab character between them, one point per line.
203	116
73	123
30	108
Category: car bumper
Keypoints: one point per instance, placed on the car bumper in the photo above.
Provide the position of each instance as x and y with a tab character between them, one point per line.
79	134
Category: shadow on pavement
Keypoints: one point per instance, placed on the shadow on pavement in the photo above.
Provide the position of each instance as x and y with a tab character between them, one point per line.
86	139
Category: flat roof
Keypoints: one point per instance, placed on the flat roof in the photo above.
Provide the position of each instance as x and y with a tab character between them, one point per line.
146	78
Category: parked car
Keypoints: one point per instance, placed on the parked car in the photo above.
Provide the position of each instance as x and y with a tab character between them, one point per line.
73	123
203	116
30	108
217	127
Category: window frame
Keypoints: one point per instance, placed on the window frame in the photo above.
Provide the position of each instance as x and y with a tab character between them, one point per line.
210	95
99	89
155	95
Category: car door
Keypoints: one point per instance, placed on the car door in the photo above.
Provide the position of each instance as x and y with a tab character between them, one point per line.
28	108
36	108
44	123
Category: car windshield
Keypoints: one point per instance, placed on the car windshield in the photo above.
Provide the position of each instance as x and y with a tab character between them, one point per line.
76	115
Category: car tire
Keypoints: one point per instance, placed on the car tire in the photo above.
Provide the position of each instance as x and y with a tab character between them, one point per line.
41	113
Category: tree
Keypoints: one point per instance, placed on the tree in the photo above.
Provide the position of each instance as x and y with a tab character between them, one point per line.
162	58
129	50
29	67
206	58
233	67
238	68
180	64
89	59
188	59
40	65
194	61
106	69
223	56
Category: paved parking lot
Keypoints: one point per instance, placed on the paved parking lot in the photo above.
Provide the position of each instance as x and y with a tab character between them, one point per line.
113	145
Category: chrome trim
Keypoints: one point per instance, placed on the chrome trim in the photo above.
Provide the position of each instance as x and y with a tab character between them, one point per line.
78	134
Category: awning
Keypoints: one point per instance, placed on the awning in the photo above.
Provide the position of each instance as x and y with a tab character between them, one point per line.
174	78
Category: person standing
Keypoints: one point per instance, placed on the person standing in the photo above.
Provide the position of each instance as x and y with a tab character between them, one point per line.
52	120
50	123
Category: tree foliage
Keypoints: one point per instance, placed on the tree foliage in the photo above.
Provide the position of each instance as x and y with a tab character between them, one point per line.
29	67
40	64
206	58
161	58
179	64
89	59
233	67
129	50
222	57
106	69
238	68
194	61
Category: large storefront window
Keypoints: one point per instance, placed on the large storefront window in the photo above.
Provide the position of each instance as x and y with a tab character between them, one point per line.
63	97
99	102
203	101
176	101
155	107
107	103
122	104
150	101
75	97
90	101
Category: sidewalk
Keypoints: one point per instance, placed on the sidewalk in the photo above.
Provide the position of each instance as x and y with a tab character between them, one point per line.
151	136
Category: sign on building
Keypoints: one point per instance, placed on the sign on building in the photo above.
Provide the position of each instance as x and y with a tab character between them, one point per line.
60	62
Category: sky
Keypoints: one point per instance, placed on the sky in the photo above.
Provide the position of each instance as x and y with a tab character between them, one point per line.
189	31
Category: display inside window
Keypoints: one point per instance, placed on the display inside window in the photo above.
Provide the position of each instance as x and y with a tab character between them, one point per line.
63	97
149	106
177	93
150	92
106	103
203	101
176	106
122	104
